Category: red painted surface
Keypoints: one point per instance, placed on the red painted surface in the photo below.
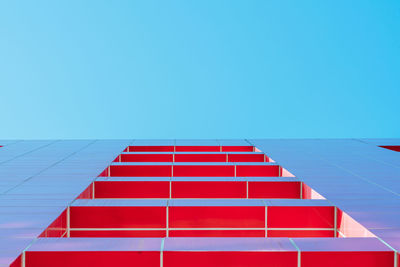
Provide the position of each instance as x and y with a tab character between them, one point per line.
247	158
118	217
300	233
17	262
216	217
274	189
87	193
141	170
204	171
57	228
237	149
229	259
118	233
208	189
394	148
347	259
197	149
200	157
260	171
216	233
151	149
132	189
92	258
145	158
300	217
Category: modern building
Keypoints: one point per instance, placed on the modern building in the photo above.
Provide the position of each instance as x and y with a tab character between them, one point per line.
192	203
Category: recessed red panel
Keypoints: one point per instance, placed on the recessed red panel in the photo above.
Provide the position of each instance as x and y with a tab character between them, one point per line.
394	148
132	189
300	217
216	233
104	173
200	157
151	148
87	193
146	157
204	170
57	228
237	148
246	158
141	170
17	262
216	217
117	217
229	259
258	170
92	258
347	258
202	189
197	149
300	233
274	189
118	233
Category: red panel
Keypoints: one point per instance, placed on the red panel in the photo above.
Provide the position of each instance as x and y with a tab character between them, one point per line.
92	258
246	158
199	171
118	233
217	233
200	157
394	148
229	259
151	148
17	262
218	217
197	149
350	227
219	189
300	233
87	193
274	190
104	173
141	171
118	217
237	148
146	157
132	189
300	217
257	170
347	259
57	228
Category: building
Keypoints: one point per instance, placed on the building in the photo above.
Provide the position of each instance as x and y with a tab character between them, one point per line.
190	203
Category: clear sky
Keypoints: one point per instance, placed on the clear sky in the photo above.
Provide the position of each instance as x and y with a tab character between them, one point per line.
199	69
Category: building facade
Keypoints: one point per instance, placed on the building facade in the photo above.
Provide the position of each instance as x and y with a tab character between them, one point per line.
192	203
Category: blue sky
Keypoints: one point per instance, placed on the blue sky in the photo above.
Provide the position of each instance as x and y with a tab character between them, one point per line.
199	69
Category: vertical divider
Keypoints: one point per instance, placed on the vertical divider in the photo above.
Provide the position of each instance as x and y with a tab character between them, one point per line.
247	188
93	190
298	252
266	217
335	222
68	222
301	190
167	219
162	253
